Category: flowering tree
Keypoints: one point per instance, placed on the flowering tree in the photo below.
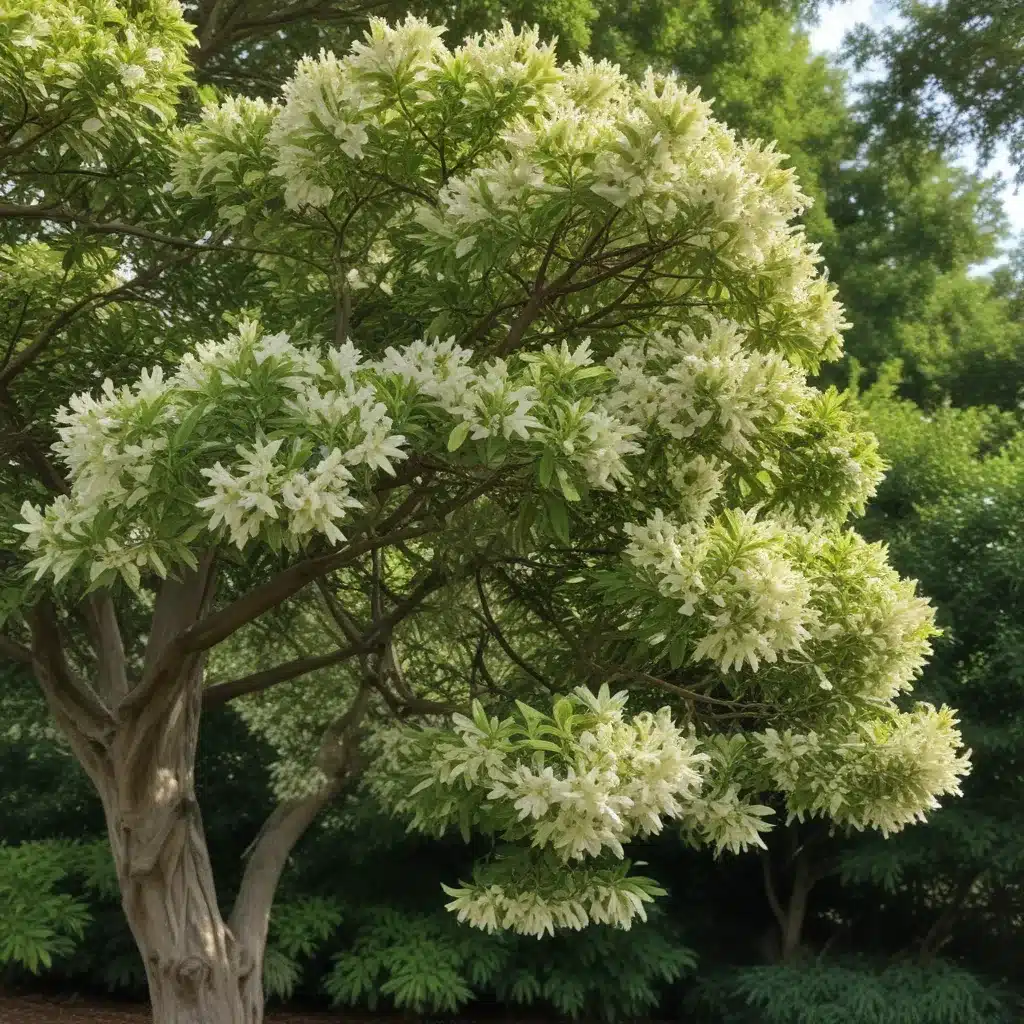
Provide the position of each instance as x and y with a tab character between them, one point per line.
516	397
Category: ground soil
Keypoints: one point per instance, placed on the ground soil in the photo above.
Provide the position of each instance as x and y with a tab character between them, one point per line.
34	1009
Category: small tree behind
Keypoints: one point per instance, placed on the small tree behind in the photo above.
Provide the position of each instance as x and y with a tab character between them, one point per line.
524	401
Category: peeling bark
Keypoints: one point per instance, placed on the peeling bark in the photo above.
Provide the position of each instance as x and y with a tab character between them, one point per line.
137	741
198	971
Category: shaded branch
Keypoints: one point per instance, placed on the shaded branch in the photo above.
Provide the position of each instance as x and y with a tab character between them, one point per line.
771	892
377	636
221	693
179	603
96	301
221	624
502	641
61	216
79	710
289	820
36	457
14	651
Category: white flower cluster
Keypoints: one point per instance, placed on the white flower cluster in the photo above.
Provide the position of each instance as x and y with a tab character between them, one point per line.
484	398
886	774
612	780
734	575
626	778
875	630
85	74
699	482
585	897
727	821
578	784
753	590
713	384
559	138
318	95
312	502
225	153
268	437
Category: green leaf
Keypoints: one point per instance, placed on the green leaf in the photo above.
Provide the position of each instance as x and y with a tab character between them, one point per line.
558	517
458	435
554	748
568	489
187	426
546	469
523	526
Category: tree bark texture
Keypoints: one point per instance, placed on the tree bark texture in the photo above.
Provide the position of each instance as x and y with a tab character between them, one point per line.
198	971
138	745
137	741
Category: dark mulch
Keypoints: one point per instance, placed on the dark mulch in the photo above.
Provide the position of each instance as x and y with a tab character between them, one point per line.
35	1009
80	1010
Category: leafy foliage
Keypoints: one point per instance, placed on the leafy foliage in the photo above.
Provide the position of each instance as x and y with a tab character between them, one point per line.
829	993
296	930
38	923
423	963
900	228
951	74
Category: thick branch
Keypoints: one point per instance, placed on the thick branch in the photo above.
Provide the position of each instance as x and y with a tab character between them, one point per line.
14	651
342	619
221	693
113	668
77	707
179	604
221	624
287	823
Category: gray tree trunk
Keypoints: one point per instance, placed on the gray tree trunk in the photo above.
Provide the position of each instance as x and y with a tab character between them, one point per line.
199	972
137	742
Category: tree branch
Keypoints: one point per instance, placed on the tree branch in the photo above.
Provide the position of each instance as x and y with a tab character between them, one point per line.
221	624
342	619
221	693
48	474
771	892
377	636
502	641
113	667
14	651
97	301
61	216
288	821
179	604
79	710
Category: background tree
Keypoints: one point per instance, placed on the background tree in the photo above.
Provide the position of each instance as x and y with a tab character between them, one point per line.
951	74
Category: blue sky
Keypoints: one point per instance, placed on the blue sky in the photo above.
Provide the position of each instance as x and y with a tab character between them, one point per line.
827	37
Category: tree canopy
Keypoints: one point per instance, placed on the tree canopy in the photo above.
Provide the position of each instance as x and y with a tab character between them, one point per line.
457	427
